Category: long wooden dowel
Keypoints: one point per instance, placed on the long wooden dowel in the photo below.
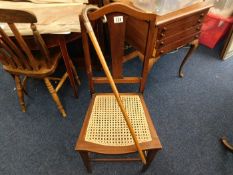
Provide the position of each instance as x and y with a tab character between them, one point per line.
111	81
116	93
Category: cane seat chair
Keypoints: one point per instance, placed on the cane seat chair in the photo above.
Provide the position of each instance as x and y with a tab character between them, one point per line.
21	62
105	130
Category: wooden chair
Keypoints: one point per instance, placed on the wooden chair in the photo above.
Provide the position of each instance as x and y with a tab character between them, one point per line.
110	127
61	41
19	60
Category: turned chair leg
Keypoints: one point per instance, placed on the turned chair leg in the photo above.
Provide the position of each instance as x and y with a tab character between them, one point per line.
227	144
86	160
149	158
24	84
55	96
20	92
194	45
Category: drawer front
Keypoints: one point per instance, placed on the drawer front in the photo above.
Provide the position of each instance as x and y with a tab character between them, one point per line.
176	44
179	32
179	25
192	31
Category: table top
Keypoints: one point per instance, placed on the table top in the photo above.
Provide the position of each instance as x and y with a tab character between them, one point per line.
53	18
161	19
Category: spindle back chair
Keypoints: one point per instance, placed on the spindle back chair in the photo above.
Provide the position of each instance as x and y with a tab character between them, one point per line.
19	60
104	129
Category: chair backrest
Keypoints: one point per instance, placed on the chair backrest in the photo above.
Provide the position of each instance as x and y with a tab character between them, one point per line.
14	51
119	19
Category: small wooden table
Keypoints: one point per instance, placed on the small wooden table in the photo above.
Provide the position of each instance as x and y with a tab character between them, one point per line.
173	30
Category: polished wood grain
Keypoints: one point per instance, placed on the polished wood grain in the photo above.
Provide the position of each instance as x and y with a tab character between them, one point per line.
174	30
103	61
184	12
117	36
58	41
15	17
21	61
117	42
131	11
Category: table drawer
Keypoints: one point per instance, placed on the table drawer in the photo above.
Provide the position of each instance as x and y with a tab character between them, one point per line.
192	31
179	25
176	44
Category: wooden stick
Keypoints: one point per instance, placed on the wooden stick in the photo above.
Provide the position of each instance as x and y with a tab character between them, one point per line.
109	76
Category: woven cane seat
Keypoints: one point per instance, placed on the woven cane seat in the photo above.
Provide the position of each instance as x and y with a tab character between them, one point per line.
107	125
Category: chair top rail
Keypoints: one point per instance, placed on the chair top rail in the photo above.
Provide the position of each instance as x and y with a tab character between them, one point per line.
121	8
16	16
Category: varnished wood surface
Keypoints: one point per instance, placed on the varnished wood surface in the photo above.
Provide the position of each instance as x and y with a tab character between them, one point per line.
20	60
131	11
17	16
117	42
174	30
108	11
117	37
176	15
118	34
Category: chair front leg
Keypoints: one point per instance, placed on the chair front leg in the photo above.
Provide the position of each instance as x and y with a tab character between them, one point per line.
149	158
20	93
55	96
86	160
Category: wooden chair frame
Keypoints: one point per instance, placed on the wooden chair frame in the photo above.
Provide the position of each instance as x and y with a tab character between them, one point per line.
84	147
18	59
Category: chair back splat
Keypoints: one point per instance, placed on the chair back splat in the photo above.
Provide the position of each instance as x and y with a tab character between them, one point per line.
118	21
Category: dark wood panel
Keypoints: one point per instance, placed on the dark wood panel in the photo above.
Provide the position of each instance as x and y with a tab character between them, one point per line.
135	33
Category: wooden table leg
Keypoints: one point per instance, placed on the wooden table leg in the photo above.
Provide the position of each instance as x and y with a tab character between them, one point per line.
193	47
66	59
227	144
